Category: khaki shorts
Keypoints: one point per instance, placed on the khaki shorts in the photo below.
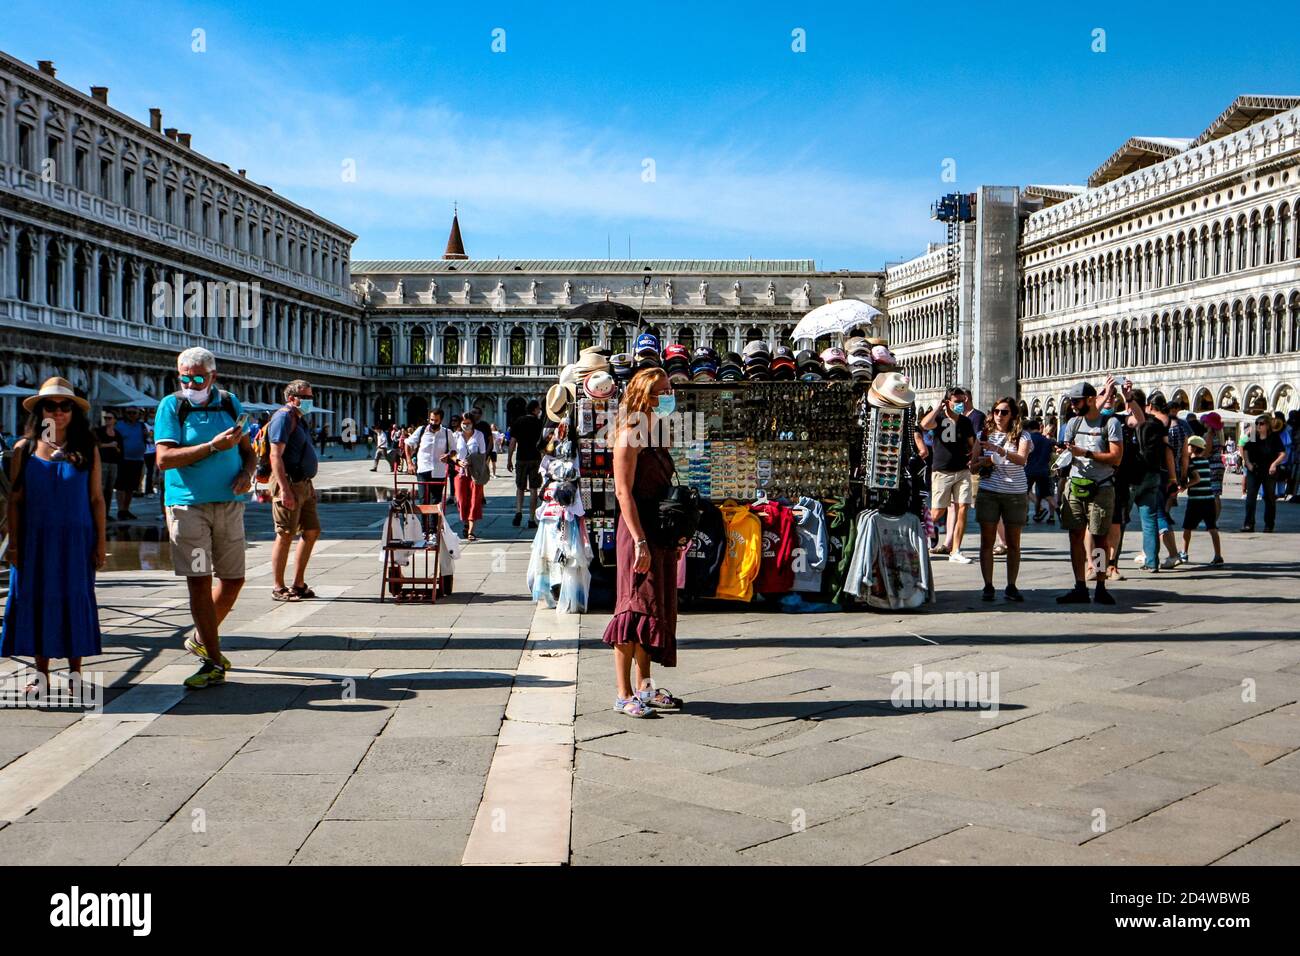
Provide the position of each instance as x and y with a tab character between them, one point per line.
993	506
1095	513
207	539
951	486
303	516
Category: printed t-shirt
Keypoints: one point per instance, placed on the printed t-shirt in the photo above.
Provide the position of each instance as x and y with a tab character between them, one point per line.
776	572
742	555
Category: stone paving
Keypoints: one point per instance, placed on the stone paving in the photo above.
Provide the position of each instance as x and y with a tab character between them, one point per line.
1164	730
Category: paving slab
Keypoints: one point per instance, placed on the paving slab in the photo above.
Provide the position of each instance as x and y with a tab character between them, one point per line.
384	843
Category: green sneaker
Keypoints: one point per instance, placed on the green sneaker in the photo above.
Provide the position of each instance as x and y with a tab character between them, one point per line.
207	676
195	647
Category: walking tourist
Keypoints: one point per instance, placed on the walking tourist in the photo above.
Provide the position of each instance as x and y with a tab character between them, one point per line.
1263	456
1002	497
1095	446
293	495
495	448
644	627
1200	499
130	470
56	522
471	475
109	441
1158	409
1117	401
950	484
524	457
1042	487
208	465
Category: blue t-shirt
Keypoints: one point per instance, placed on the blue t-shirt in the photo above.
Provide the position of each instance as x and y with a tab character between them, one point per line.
1040	458
133	438
208	480
299	453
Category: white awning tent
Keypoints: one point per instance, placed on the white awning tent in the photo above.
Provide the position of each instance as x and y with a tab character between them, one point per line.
115	393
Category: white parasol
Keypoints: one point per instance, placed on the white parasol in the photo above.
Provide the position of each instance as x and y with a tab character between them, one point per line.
835	318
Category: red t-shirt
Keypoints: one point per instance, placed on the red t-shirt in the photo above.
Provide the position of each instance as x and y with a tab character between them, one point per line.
776	574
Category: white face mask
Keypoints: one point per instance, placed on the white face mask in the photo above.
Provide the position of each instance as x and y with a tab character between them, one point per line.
196	396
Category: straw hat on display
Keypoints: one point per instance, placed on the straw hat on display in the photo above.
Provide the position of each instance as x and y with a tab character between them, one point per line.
558	399
56	388
593	359
891	390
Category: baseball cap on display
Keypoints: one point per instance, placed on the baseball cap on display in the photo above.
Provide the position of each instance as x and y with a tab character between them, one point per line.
838	372
648	360
882	356
757	347
703	352
730	373
859	359
646	342
704	374
783	352
834	355
679	376
862	373
676	350
808	375
857	345
758	372
783	371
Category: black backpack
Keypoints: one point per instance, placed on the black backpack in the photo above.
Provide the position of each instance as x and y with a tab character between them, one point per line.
183	407
263	446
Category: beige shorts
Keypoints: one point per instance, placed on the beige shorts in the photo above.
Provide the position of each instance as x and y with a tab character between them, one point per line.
303	516
207	539
950	487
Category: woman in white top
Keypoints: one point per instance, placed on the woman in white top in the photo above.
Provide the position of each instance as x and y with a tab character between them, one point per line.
471	475
1000	457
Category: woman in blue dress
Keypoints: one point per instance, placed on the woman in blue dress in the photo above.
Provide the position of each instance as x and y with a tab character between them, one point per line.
56	535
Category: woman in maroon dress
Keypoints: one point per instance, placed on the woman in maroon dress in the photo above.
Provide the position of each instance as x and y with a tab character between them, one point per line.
644	626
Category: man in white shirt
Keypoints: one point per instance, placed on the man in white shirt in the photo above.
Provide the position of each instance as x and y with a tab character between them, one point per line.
429	445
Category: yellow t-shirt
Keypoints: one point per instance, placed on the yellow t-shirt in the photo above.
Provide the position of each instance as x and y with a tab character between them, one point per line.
743	555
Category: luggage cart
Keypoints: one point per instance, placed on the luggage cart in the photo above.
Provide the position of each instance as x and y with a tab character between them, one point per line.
413	534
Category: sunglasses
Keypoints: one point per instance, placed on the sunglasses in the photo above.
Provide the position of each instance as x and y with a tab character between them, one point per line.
58	406
193	379
1001	411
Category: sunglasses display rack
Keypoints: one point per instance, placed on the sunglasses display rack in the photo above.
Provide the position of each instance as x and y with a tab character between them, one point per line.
595	460
885	433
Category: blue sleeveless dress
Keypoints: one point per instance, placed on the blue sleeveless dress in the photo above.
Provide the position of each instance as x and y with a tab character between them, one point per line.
51	610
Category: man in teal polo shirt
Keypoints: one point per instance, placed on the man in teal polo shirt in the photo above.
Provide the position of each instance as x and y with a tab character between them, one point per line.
207	463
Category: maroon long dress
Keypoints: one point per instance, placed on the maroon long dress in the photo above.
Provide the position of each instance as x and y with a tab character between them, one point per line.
645	611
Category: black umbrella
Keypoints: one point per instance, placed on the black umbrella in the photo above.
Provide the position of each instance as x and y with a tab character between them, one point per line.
606	310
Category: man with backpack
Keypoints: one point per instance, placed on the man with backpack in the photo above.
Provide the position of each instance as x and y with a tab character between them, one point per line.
1095	444
207	463
428	448
291	464
1164	469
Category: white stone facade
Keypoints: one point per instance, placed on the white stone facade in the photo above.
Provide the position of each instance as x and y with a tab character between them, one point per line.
1183	275
459	333
96	209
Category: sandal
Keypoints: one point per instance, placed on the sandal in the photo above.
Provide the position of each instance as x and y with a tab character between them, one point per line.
632	707
999	550
303	591
659	698
284	594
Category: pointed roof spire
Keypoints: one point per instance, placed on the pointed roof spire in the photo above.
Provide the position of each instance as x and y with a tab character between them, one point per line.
455	246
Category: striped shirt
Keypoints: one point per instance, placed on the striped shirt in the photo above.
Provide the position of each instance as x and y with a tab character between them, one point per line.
1204	487
1007	477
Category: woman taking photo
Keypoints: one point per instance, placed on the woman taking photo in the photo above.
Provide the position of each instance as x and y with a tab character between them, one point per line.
644	626
56	542
471	475
1002	452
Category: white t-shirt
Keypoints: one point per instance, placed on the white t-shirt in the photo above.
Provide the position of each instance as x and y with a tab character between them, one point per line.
466	448
433	445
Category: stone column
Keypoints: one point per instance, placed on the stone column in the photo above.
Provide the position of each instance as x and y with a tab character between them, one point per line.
8	259
115	267
137	291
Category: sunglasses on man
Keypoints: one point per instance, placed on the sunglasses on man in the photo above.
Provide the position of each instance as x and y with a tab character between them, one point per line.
193	379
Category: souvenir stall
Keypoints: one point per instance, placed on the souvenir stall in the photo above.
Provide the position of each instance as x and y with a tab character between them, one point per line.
812	495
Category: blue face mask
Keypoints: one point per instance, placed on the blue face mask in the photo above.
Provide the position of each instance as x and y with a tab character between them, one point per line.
959	407
1107	411
305	405
666	405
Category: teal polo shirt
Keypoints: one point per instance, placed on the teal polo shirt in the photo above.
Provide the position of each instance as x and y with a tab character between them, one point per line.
208	480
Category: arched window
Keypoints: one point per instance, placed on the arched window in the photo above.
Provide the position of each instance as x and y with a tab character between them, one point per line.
721	341
618	339
26	265
384	347
754	334
1284	233
686	337
1270	237
518	346
451	346
419	347
551	346
1255	244
483	346
586	338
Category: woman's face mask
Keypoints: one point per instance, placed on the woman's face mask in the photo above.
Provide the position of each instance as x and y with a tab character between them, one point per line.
666	404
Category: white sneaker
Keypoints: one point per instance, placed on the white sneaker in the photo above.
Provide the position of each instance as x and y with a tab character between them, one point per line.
1169	563
958	558
1139	559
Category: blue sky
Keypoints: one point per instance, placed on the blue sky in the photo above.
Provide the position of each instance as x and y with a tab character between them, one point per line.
833	154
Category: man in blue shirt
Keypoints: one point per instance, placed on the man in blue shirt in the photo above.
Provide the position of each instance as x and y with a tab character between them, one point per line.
207	463
1042	487
131	468
293	497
